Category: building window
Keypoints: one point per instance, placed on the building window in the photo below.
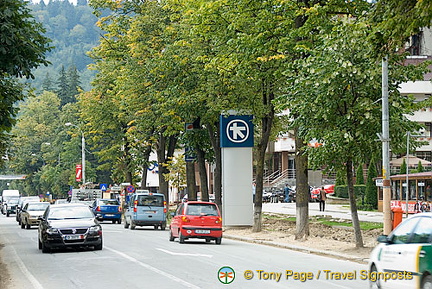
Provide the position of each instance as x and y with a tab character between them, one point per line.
414	44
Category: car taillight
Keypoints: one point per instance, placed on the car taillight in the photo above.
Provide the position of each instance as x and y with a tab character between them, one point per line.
98	209
135	206
218	220
185	219
119	209
165	209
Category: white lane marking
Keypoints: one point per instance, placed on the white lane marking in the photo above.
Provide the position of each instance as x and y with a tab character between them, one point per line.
25	271
184	254
151	268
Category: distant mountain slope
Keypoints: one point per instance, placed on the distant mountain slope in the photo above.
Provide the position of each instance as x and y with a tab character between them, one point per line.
73	31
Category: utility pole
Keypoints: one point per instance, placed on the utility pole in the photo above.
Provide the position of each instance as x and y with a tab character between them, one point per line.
385	138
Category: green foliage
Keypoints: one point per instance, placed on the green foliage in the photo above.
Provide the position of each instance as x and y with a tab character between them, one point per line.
420	167
342	191
22	43
359	175
177	171
403	168
22	48
74	33
35	149
340	178
371	198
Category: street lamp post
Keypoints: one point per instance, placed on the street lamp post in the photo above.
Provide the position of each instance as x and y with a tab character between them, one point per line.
407	172
82	150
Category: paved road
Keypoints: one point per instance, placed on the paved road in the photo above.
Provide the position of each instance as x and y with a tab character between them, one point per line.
336	211
144	258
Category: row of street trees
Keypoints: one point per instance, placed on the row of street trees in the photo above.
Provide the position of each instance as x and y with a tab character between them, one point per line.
161	64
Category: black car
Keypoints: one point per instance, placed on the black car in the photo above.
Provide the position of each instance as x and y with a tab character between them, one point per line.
11	206
69	225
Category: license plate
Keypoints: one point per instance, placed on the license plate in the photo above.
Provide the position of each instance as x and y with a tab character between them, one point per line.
202	231
150	212
109	215
73	237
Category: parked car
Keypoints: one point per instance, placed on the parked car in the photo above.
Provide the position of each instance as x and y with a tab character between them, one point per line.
11	206
69	225
145	209
329	189
31	212
107	209
196	219
21	203
403	259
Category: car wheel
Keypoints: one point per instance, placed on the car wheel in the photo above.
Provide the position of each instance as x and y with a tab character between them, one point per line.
45	249
119	221
28	226
7	214
181	238
114	221
132	225
207	240
427	282
126	224
163	227
22	225
155	227
99	247
374	284
171	237
39	244
218	241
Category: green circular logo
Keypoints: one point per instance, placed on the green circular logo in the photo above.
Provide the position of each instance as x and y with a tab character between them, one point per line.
226	275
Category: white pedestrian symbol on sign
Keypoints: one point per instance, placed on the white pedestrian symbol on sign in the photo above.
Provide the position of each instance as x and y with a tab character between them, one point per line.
237	130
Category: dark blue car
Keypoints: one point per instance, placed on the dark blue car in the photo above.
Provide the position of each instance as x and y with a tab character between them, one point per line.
107	210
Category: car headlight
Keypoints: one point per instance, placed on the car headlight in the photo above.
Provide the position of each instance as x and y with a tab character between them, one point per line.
95	230
52	231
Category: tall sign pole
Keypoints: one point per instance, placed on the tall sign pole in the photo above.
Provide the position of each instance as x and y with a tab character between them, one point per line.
385	138
236	144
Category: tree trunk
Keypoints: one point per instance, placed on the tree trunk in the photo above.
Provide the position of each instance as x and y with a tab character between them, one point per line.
164	151
214	133
302	189
190	181
353	205
202	174
146	156
266	126
127	163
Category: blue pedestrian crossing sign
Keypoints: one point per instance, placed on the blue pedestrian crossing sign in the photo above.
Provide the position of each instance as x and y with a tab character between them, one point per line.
103	187
236	131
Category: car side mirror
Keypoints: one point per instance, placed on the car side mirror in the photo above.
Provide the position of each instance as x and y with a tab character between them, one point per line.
383	239
40	218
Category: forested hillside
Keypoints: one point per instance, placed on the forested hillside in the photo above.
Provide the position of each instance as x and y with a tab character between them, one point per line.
73	33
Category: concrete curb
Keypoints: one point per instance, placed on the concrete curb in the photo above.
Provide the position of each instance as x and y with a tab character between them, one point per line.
299	248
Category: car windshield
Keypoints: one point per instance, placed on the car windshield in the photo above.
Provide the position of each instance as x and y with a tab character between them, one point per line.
12	201
37	206
108	203
201	209
70	213
150	200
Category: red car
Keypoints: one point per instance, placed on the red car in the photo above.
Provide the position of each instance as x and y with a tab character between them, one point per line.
329	189
195	219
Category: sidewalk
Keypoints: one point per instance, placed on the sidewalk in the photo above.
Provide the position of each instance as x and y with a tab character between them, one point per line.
336	211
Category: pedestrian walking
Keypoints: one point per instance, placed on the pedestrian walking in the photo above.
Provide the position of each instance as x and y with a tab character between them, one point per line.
322	197
287	191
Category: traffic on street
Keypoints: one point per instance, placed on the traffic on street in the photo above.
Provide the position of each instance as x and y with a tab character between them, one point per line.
145	258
